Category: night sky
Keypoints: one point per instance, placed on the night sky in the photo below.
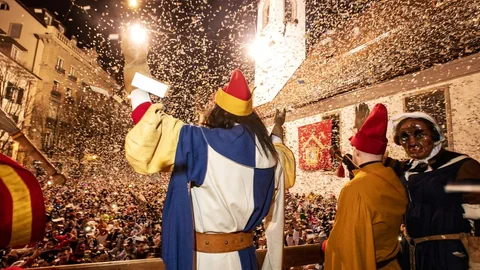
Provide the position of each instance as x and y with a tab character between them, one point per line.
207	39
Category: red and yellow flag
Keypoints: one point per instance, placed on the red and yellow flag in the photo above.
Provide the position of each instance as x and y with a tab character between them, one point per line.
22	209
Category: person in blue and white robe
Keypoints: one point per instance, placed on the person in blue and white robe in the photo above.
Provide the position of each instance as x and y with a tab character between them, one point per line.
226	178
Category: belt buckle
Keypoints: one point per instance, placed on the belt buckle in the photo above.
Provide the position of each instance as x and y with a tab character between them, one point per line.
411	242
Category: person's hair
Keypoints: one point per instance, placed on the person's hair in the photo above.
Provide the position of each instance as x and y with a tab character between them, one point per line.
430	125
219	118
63	249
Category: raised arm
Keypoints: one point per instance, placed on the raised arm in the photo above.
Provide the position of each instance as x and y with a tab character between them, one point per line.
287	159
284	179
136	61
151	145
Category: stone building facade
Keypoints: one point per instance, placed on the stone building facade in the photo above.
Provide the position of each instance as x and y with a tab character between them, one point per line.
74	111
385	54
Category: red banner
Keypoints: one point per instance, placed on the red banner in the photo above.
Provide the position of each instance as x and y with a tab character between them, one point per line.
314	142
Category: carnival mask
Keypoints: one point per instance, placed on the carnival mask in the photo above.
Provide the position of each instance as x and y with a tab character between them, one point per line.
416	138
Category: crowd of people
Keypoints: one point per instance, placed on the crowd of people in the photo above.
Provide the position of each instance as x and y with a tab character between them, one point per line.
308	219
99	221
96	221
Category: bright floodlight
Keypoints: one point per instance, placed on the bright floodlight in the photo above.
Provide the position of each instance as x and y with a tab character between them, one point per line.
132	3
138	33
258	49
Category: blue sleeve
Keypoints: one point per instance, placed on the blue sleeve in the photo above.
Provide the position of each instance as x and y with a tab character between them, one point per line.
192	154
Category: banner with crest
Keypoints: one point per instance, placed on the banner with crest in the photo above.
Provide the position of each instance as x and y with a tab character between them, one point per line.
314	142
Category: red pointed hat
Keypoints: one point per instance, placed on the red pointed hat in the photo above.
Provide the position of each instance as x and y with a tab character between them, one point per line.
235	97
372	136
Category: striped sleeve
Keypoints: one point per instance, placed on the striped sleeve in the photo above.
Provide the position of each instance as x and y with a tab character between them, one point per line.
151	145
287	160
23	211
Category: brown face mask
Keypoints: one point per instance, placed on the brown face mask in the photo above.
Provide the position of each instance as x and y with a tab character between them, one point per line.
416	138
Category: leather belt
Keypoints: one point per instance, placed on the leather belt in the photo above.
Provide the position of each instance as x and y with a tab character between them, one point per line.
412	242
223	242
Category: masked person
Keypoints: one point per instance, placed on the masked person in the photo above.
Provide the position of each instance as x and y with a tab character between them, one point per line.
370	207
237	174
436	220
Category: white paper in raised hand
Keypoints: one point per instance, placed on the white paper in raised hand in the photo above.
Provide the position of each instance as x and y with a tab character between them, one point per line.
150	85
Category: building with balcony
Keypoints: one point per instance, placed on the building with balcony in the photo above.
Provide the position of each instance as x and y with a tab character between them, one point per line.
16	84
71	87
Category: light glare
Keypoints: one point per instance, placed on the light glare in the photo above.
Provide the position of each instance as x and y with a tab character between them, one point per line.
138	33
259	49
133	3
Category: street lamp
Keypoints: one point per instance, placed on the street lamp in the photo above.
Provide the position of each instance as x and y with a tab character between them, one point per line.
133	3
137	33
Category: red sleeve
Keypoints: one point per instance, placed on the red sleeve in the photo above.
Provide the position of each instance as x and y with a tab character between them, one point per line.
61	237
139	111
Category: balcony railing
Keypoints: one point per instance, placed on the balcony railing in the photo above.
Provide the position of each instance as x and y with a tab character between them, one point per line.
55	93
70	100
59	69
72	78
292	256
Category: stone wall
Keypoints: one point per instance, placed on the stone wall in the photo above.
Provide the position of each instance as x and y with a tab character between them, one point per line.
462	100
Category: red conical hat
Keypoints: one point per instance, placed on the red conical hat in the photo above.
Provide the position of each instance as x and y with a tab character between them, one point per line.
372	136
235	97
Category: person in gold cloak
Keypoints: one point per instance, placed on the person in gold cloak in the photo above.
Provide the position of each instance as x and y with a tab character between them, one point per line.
370	207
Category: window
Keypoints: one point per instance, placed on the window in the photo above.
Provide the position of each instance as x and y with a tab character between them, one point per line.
15	53
55	93
9	91
14	118
47	142
49	123
335	135
72	71
266	13
72	76
48	19
59	66
4	6
290	13
60	63
20	92
68	92
61	29
435	104
15	30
